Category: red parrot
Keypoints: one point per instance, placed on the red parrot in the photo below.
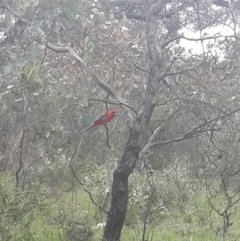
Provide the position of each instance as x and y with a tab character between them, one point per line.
102	120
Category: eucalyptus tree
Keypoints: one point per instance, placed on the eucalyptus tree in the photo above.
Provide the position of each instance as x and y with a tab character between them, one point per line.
59	55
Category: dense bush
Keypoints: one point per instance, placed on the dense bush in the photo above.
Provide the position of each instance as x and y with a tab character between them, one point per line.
21	218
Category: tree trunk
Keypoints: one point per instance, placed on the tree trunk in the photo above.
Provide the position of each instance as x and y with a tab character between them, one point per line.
127	163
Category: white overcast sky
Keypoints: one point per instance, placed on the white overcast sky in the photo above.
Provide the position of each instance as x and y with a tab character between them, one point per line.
196	47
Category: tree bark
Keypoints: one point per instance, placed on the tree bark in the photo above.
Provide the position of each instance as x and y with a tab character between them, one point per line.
119	203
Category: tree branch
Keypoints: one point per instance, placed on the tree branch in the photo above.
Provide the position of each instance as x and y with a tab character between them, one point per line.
197	39
83	64
74	56
151	139
193	131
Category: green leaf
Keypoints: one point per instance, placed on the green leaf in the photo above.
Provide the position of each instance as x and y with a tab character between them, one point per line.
12	55
53	37
37	23
87	119
10	40
85	101
69	95
34	53
21	28
88	58
21	62
8	28
28	13
73	8
24	39
6	70
68	13
63	23
2	24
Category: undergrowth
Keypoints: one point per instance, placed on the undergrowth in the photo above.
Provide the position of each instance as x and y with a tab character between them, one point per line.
179	211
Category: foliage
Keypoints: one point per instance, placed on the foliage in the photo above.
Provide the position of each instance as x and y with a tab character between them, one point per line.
65	62
21	216
171	189
79	230
73	216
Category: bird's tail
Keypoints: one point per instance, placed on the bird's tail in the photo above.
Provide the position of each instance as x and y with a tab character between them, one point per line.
86	130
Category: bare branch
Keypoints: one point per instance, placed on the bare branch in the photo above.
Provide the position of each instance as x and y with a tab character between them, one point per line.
113	103
193	131
197	39
151	139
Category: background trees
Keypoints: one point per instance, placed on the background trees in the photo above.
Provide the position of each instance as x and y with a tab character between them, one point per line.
64	62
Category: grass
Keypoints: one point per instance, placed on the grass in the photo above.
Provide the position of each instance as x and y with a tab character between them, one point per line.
197	222
50	219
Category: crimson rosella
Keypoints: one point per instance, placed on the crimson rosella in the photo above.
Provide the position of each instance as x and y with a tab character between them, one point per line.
102	120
